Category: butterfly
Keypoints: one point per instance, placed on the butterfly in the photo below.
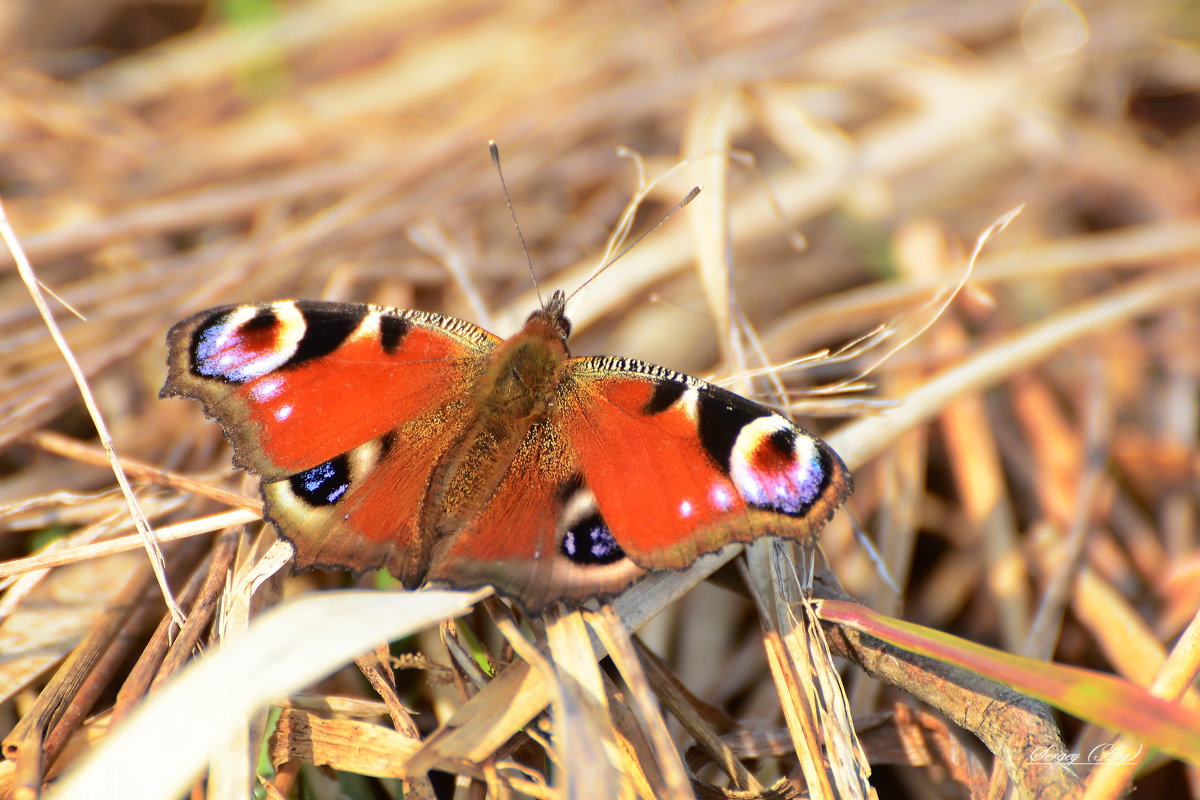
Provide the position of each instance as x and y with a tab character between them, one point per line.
427	446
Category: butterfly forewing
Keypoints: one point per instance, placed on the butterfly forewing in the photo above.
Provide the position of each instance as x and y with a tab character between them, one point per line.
295	384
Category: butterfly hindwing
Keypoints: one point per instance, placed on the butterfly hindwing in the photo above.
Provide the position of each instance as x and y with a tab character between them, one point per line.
539	538
680	467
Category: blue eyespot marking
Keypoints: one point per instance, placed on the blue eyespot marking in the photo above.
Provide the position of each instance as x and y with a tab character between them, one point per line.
324	484
589	541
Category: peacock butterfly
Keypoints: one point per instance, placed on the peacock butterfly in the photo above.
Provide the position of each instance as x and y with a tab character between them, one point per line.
425	445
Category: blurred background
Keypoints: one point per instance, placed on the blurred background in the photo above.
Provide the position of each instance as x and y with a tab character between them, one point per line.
160	157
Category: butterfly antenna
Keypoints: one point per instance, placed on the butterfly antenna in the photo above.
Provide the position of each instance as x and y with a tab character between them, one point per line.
690	197
495	151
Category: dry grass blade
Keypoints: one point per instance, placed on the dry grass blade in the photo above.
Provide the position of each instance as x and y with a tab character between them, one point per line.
706	145
89	552
683	706
27	744
865	438
1178	673
213	698
78	451
153	551
810	691
616	640
588	755
350	745
1147	247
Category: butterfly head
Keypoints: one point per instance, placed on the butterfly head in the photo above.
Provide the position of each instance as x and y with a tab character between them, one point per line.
554	315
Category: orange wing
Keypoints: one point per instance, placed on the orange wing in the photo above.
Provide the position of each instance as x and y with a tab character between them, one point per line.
343	409
680	467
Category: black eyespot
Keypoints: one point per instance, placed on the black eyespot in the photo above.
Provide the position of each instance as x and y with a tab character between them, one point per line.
325	328
590	542
392	331
263	319
324	484
665	394
722	416
784	441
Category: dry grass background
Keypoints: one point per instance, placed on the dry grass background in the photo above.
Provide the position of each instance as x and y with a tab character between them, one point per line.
1027	468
